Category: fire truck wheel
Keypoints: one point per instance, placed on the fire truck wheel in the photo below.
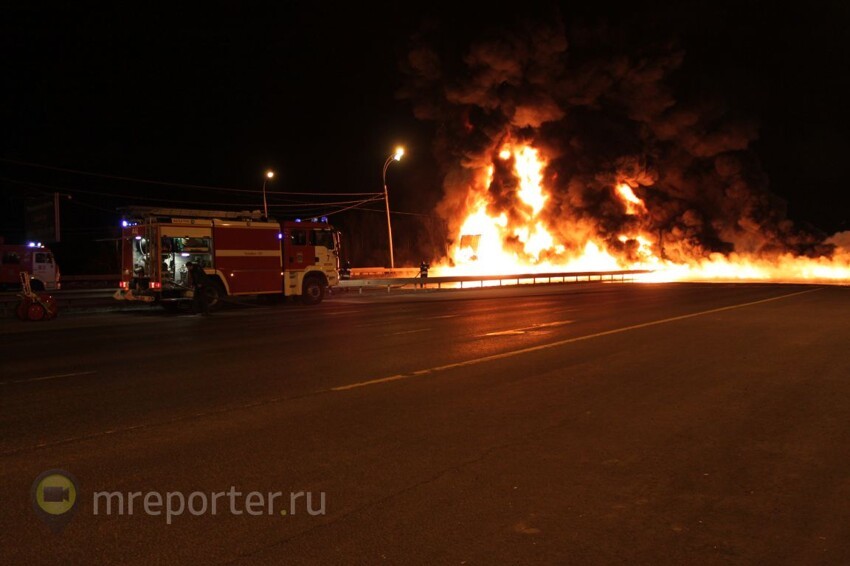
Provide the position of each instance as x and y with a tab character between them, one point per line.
37	285
35	312
313	292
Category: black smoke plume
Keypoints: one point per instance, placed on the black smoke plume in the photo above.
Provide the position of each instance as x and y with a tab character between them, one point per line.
604	105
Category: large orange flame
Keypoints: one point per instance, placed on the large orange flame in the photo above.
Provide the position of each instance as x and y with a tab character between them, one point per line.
491	242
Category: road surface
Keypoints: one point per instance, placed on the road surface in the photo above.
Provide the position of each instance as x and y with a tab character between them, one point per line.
600	423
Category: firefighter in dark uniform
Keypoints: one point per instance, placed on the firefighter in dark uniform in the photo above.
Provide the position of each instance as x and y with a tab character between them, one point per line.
199	282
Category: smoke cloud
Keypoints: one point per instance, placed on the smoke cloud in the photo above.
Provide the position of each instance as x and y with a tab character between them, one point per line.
604	106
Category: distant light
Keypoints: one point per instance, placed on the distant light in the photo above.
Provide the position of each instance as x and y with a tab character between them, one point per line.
270	174
185	254
399	152
138	237
124	223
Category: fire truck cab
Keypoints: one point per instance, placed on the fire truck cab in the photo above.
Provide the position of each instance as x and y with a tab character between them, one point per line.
241	252
32	258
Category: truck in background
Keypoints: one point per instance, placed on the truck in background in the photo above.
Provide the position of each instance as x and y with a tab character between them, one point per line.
243	253
32	258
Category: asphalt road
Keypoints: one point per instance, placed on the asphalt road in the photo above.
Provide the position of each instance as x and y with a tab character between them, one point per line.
603	423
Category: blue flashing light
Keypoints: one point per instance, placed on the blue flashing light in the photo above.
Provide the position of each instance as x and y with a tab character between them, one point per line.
324	219
279	235
124	223
298	220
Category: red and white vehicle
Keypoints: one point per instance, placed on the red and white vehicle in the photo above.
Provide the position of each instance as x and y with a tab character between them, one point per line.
32	258
241	252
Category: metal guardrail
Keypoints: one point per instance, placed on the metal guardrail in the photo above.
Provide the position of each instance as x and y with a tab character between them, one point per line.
88	299
514	279
381	272
103	281
76	300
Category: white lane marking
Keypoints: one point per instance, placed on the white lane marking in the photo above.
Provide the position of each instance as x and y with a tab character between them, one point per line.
407	332
373	382
503	333
397	377
550	345
46	377
442	316
531	328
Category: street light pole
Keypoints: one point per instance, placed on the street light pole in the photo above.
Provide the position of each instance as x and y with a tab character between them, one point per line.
394	157
269	175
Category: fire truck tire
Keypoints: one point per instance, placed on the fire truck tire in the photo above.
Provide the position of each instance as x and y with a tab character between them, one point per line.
313	291
37	285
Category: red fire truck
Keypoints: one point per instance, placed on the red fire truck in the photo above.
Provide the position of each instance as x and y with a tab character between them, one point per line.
242	253
32	258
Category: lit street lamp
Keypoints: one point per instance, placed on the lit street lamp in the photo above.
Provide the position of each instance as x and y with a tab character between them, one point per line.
269	175
399	152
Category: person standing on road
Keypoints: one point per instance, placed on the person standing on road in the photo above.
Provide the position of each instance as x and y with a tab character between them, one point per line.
199	283
423	272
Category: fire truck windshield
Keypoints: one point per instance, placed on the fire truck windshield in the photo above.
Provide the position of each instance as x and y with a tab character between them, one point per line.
323	237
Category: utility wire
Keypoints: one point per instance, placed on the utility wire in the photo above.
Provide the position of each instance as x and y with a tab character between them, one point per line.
168	183
178	201
120	195
352	206
400	212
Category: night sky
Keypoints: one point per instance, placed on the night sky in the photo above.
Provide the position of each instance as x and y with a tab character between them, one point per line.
310	90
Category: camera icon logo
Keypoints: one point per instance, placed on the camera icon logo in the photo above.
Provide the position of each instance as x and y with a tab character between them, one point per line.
54	497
